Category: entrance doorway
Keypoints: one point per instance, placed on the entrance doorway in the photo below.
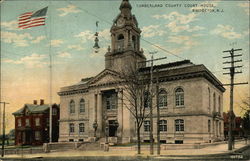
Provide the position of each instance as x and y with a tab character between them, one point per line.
112	128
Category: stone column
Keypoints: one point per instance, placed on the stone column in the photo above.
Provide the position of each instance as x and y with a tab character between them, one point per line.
99	115
120	112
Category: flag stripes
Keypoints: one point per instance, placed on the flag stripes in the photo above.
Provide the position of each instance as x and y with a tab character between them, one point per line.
32	19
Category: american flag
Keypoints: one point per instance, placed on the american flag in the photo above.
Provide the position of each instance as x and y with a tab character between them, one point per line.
32	19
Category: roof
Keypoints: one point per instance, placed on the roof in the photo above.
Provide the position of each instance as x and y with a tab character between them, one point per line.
167	72
32	108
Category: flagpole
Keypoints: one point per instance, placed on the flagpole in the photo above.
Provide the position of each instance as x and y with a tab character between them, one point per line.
50	81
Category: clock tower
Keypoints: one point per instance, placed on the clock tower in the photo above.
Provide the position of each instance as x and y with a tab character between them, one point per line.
125	41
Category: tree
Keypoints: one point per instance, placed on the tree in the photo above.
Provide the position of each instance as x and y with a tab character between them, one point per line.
246	117
136	97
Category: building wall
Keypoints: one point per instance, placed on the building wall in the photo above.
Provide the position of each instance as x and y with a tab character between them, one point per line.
30	129
195	114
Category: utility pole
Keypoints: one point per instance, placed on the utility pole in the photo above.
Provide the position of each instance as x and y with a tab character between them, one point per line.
158	113
3	138
151	99
232	72
151	104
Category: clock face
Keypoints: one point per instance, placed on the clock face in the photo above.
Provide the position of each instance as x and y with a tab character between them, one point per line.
120	22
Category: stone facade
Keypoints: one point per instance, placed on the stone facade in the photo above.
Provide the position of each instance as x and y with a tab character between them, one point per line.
191	104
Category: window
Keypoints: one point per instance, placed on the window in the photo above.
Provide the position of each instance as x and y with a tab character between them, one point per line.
178	141
71	128
19	122
120	42
147	100
37	121
163	125
81	127
82	106
209	126
111	101
179	125
179	97
37	135
147	126
27	122
163	99
54	111
72	106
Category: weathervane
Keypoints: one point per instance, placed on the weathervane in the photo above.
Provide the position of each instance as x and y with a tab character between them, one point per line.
96	45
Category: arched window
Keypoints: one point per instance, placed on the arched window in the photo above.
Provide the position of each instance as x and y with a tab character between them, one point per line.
209	100
163	99
81	128
72	106
82	106
120	37
179	125
214	101
71	128
179	97
163	125
120	42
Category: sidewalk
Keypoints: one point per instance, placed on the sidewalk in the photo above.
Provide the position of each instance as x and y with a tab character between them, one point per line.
216	149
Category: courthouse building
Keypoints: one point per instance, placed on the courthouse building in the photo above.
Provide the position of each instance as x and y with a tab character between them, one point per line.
190	99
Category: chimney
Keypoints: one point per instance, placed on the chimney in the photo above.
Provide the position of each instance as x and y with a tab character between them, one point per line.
35	102
41	101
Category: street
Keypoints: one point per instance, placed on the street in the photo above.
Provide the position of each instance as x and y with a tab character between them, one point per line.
243	155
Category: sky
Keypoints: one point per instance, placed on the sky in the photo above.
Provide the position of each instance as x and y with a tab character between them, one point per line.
177	26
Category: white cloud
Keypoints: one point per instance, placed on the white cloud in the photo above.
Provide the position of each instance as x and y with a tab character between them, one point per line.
226	31
38	39
185	42
245	6
76	47
68	9
88	35
85	35
177	17
180	22
152	30
56	43
64	55
178	39
105	34
17	39
33	61
10	25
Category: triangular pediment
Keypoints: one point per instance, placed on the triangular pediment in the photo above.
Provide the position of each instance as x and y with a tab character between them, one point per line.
105	77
